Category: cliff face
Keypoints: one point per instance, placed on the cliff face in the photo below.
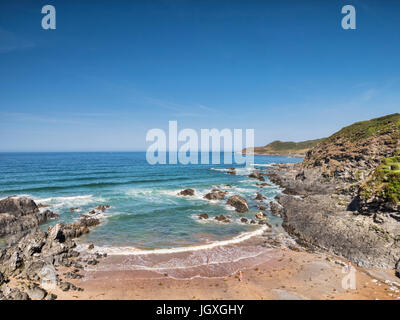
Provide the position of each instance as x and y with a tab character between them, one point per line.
354	152
345	196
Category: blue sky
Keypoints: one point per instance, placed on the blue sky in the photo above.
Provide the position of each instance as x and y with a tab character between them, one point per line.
114	69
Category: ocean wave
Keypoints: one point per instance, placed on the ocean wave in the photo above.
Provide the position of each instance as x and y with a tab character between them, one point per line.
99	184
69	201
135	251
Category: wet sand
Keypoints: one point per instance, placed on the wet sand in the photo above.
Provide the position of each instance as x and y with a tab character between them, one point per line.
284	274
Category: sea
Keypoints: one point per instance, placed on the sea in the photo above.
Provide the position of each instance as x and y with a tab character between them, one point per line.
145	214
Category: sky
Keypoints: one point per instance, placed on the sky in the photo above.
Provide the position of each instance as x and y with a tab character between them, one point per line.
112	70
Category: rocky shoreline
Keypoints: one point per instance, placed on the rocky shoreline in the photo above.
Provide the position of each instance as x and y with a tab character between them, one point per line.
36	263
321	213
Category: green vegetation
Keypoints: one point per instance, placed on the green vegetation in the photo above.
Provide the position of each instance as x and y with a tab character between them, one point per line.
385	181
374	127
289	147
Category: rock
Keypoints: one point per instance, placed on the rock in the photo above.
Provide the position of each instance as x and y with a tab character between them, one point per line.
2	279
41	205
71	275
56	233
203	216
34	256
102	208
261	207
276	208
215	194
244	220
20	214
239	203
92	212
34	242
233	172
91	247
311	215
17	294
252	221
259	197
65	286
263	184
73	209
18	206
16	261
37	293
186	192
51	296
256	175
260	215
294	248
92	262
222	218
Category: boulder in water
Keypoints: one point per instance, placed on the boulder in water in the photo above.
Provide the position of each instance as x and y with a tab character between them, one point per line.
239	203
186	192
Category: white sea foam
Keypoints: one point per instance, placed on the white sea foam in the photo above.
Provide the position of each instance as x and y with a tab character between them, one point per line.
17	196
135	251
268	165
69	201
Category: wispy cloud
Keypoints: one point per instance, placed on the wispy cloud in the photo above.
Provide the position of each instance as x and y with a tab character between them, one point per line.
29	117
9	42
195	110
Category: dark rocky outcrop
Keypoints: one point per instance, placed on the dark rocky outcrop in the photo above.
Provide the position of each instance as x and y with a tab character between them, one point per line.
239	203
102	208
244	220
203	216
186	192
37	252
276	208
222	218
20	214
259	197
344	196
256	175
216	194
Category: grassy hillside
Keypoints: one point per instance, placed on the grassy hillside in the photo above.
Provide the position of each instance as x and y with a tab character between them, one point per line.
287	148
389	124
384	181
362	146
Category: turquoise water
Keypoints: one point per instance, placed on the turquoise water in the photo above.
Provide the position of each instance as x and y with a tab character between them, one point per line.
145	211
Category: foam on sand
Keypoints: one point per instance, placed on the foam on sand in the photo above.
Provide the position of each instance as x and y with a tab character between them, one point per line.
135	251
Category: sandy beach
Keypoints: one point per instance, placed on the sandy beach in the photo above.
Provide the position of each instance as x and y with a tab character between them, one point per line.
287	275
